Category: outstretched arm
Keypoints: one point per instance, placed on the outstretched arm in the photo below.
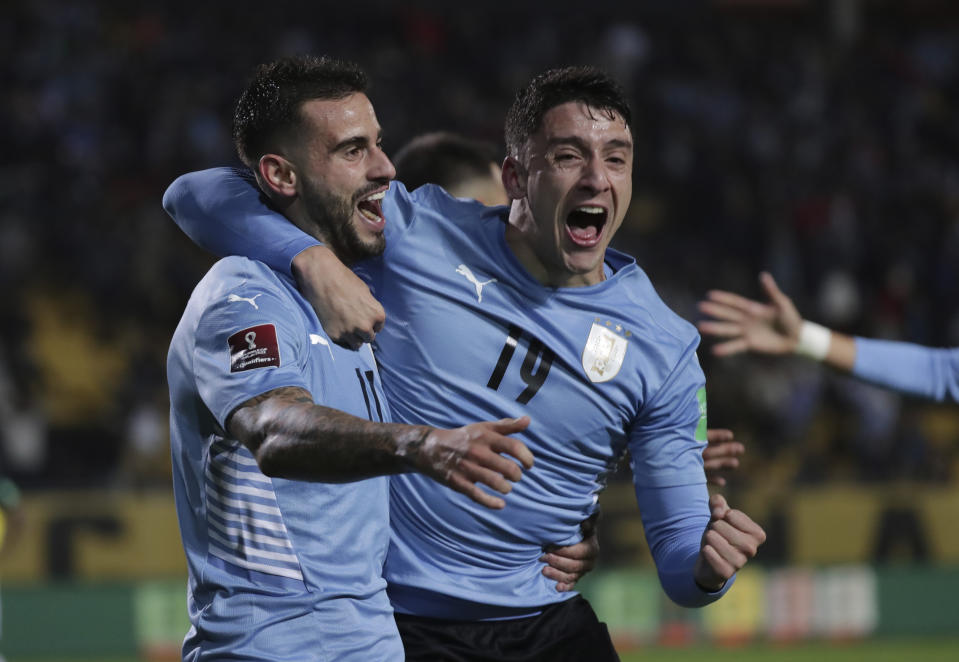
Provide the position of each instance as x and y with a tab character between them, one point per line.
777	328
291	437
224	212
926	372
771	328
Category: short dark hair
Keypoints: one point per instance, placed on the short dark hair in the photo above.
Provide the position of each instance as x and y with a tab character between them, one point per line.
443	158
555	87
269	107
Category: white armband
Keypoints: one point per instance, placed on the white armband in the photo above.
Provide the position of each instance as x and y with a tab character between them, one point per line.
813	341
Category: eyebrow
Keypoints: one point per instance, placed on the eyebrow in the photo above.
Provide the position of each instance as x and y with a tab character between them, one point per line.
357	141
576	141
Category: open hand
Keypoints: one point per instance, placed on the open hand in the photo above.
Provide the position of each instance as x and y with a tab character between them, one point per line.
567	565
721	453
465	457
748	325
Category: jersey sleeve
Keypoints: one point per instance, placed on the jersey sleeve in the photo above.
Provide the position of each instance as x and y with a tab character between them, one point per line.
913	369
223	211
666	453
666	442
243	350
674	519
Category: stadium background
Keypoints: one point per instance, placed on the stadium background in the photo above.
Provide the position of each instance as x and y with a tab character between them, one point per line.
816	139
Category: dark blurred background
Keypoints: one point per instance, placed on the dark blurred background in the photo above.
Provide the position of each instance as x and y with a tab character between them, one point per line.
816	139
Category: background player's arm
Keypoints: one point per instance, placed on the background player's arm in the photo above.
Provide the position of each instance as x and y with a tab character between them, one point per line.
777	328
770	328
722	452
223	211
292	437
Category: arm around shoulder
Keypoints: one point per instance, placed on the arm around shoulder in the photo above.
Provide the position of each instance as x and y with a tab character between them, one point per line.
223	211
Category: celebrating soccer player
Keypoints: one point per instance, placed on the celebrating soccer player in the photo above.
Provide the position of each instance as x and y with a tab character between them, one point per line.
519	310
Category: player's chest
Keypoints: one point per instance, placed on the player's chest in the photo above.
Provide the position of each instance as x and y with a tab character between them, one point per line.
345	379
550	360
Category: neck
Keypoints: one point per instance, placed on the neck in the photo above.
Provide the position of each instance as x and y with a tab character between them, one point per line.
296	213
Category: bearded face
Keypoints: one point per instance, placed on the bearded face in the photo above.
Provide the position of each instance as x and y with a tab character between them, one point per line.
334	215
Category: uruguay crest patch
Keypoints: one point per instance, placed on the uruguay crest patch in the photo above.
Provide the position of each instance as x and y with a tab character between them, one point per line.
603	353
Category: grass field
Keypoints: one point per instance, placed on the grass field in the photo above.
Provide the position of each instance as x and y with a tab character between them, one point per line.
877	650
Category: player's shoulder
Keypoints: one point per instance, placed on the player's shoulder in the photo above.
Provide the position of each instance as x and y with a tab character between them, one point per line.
437	201
237	272
238	278
643	303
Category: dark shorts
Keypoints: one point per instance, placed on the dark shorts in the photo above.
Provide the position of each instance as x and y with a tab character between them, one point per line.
567	631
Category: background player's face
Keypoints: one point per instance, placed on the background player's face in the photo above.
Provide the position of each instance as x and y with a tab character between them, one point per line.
343	174
579	169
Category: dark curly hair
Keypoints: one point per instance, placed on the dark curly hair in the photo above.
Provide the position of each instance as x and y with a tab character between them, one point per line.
268	109
558	86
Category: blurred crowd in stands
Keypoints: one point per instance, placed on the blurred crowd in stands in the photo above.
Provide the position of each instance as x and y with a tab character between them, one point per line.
817	140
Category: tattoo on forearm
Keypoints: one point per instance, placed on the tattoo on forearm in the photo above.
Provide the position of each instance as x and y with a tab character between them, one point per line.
292	436
289	394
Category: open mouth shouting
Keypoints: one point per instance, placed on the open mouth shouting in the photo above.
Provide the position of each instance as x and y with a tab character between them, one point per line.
584	225
371	210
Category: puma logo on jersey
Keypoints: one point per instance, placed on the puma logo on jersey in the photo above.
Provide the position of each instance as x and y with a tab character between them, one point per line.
465	271
235	297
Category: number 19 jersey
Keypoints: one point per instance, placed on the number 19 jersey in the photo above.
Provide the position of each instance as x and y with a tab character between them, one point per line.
472	336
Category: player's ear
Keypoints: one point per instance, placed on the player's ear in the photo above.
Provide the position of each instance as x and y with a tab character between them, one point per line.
277	174
514	178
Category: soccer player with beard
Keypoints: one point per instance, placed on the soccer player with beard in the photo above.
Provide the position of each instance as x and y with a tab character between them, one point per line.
281	439
520	310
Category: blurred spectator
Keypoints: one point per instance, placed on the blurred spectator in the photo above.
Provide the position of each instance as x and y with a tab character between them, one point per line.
819	144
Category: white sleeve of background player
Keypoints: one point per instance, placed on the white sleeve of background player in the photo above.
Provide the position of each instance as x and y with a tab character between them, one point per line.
242	350
666	442
922	371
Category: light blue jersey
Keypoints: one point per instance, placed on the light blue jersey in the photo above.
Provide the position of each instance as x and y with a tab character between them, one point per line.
279	569
926	372
470	335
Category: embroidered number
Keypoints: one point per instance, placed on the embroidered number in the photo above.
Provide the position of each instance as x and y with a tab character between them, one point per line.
366	394
533	375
